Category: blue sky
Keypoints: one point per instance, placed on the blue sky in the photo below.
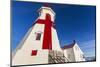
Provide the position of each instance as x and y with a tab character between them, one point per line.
73	22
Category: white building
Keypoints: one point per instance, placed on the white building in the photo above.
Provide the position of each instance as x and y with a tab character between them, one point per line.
73	53
41	44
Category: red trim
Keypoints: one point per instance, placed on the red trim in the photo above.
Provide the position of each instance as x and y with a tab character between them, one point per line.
34	52
47	39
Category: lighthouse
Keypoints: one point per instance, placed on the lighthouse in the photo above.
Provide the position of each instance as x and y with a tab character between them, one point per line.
40	45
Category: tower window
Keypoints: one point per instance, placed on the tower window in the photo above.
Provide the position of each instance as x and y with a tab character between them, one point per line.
38	36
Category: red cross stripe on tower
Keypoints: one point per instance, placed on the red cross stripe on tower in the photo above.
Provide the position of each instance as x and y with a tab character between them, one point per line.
47	39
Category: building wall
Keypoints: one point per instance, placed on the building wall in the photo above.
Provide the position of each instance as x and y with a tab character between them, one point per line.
78	53
69	54
25	58
23	55
55	41
31	41
74	54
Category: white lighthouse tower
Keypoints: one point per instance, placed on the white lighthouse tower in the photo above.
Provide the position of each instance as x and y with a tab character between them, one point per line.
40	45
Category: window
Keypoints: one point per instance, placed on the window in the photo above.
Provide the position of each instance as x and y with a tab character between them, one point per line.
38	36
